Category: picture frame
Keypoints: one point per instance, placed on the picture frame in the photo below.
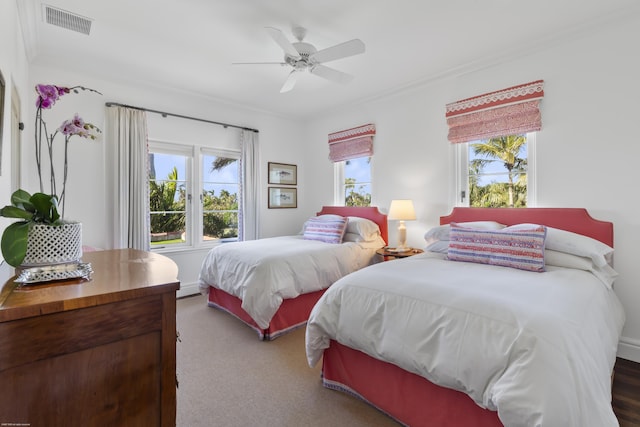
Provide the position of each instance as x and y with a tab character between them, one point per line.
283	197
283	174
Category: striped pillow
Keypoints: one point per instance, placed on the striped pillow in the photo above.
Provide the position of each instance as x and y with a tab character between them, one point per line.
328	230
522	249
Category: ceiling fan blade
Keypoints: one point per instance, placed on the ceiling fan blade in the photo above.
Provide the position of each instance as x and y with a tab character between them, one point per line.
342	50
331	74
259	63
290	82
282	41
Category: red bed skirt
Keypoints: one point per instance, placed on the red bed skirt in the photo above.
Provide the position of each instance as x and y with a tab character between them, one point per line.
404	396
292	314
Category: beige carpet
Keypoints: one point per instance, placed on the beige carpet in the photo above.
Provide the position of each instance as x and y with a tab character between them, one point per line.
227	377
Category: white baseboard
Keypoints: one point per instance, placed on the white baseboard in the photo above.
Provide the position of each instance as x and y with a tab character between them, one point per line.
629	348
188	289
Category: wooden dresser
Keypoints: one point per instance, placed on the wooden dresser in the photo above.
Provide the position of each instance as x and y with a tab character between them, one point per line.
92	353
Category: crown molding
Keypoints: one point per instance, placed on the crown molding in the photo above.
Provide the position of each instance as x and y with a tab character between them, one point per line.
28	13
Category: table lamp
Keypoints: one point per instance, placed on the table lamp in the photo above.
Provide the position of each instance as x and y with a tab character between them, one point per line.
402	210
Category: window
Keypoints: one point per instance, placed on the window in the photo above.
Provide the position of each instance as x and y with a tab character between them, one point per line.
353	182
220	193
168	194
495	135
177	172
497	172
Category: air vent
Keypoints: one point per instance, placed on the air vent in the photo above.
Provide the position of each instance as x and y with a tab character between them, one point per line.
67	20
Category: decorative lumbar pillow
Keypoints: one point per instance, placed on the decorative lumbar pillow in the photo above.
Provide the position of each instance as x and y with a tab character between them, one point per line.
441	232
522	249
322	217
328	230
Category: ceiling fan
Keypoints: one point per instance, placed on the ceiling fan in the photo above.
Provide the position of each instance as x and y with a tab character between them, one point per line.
302	56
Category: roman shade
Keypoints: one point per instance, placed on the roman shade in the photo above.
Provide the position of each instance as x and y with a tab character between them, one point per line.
351	143
510	111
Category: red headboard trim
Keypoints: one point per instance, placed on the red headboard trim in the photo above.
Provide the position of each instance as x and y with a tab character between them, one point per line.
576	220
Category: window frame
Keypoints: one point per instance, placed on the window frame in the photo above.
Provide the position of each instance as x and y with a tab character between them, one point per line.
162	147
461	171
218	152
339	185
195	154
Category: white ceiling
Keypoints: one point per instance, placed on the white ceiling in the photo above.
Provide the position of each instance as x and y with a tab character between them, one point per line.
190	45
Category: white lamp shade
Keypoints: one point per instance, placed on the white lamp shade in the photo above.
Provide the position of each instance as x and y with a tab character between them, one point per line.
402	210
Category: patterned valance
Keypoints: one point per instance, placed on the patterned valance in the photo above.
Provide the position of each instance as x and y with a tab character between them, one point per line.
351	143
510	111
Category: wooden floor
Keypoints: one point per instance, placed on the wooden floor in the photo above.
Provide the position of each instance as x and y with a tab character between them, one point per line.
626	393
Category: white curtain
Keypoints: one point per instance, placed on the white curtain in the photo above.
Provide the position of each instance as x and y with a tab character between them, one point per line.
129	158
250	186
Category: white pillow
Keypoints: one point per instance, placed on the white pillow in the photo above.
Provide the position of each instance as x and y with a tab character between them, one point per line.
439	246
363	227
376	243
563	259
606	274
352	237
441	232
575	244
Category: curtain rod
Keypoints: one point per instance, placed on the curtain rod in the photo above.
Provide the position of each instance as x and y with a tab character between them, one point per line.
164	114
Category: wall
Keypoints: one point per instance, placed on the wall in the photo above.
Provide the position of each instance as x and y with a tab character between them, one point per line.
13	65
587	152
279	141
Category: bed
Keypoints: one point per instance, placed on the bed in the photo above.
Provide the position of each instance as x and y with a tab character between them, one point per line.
272	284
437	342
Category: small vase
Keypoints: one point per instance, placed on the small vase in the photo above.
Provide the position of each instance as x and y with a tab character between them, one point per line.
53	244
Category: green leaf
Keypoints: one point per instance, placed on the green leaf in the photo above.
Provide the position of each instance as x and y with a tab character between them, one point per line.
21	199
14	243
14	212
46	206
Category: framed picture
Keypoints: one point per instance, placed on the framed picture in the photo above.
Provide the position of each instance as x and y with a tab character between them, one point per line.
283	174
283	197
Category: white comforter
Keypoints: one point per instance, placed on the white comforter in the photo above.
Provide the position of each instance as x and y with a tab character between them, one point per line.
264	272
537	347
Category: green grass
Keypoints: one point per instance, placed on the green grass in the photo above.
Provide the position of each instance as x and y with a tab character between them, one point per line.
166	242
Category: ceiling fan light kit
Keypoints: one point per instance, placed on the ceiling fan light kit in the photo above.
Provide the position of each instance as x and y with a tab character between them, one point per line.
302	56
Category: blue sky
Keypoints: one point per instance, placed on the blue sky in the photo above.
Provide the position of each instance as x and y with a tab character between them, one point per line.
495	167
359	168
164	163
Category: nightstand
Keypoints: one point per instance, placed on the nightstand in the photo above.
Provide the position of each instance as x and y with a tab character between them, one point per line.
388	255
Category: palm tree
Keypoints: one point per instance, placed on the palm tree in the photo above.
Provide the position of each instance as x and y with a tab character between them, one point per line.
505	149
220	163
166	211
475	191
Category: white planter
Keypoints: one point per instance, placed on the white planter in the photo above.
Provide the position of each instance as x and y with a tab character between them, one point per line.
53	244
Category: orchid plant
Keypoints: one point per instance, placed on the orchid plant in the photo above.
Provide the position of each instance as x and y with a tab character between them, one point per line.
47	97
42	207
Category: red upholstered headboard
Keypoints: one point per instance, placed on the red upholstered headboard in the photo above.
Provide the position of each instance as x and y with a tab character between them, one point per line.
576	220
371	213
